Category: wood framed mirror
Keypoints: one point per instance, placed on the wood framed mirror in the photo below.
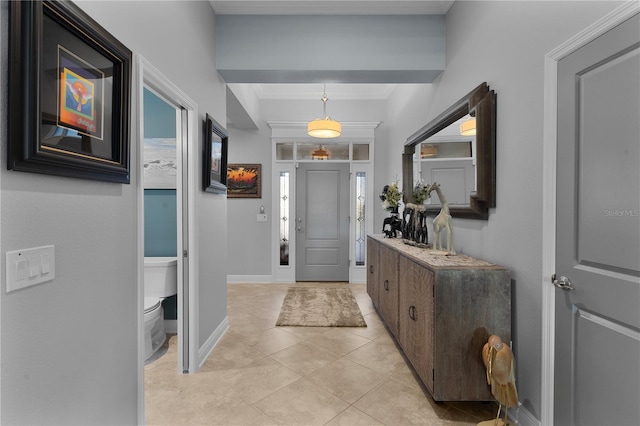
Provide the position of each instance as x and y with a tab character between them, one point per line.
480	103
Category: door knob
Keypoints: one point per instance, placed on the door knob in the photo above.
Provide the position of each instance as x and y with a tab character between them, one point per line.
562	282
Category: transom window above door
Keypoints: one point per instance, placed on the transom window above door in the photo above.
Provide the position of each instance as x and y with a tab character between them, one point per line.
313	151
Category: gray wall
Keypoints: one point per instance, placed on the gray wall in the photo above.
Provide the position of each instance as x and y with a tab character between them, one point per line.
249	241
355	49
69	347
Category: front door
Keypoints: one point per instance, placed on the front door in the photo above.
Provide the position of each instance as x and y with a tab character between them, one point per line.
322	222
597	335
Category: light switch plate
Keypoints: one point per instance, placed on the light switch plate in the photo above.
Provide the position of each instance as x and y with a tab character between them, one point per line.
29	267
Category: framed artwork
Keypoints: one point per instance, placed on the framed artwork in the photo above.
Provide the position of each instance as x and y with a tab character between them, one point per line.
69	94
244	181
216	141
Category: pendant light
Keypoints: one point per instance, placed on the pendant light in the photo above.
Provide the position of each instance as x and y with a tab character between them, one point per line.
324	127
468	127
321	153
428	151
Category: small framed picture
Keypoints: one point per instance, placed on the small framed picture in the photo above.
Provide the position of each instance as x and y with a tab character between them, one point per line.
244	181
216	141
69	115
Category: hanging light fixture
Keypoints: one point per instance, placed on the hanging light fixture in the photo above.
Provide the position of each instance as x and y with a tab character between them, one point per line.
468	127
324	127
428	151
321	153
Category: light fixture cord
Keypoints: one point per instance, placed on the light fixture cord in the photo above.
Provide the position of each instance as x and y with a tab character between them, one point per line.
324	101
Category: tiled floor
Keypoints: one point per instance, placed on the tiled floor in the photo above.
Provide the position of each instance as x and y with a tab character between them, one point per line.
259	374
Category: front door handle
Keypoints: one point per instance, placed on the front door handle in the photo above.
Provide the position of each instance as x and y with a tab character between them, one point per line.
562	282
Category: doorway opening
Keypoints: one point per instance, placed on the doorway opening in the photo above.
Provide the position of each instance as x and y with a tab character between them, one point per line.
185	119
162	122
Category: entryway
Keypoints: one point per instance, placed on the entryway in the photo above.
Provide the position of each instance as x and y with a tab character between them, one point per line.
325	207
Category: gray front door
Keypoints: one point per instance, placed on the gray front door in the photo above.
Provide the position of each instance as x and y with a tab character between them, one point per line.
322	222
597	336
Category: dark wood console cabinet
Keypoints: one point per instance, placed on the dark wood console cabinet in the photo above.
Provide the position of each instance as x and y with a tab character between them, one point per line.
441	310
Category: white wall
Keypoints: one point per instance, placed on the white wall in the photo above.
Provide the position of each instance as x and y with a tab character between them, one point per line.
504	43
69	346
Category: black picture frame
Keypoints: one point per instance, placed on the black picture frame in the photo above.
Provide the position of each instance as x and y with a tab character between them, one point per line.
216	141
69	94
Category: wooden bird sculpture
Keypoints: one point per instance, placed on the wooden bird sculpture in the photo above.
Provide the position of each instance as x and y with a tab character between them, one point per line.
498	360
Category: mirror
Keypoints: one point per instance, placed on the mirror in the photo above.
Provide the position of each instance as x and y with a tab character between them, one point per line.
481	104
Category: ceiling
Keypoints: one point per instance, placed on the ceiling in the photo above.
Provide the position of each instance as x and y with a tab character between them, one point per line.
328	7
334	91
331	7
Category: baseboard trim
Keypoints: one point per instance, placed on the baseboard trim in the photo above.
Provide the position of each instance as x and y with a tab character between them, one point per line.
206	349
171	326
266	279
258	279
522	416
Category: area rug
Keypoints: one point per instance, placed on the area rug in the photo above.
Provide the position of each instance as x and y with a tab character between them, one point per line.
320	307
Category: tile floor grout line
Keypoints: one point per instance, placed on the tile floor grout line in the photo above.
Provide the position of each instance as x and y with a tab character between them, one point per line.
236	365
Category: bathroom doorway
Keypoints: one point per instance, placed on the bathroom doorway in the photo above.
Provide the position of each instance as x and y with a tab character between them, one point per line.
168	123
161	122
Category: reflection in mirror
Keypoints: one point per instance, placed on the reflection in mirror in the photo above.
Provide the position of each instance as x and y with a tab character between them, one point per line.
315	151
448	158
464	166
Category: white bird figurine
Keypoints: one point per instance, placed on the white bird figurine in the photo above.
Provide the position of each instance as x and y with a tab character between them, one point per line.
498	360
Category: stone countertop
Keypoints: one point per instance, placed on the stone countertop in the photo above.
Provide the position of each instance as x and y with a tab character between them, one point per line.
432	258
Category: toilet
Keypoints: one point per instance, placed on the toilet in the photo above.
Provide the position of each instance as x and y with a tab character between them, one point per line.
160	281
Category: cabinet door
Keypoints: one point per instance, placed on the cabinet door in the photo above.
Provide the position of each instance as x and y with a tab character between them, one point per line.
388	293
373	271
417	318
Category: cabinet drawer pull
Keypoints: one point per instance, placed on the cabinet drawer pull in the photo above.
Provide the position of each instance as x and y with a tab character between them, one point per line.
412	312
386	285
